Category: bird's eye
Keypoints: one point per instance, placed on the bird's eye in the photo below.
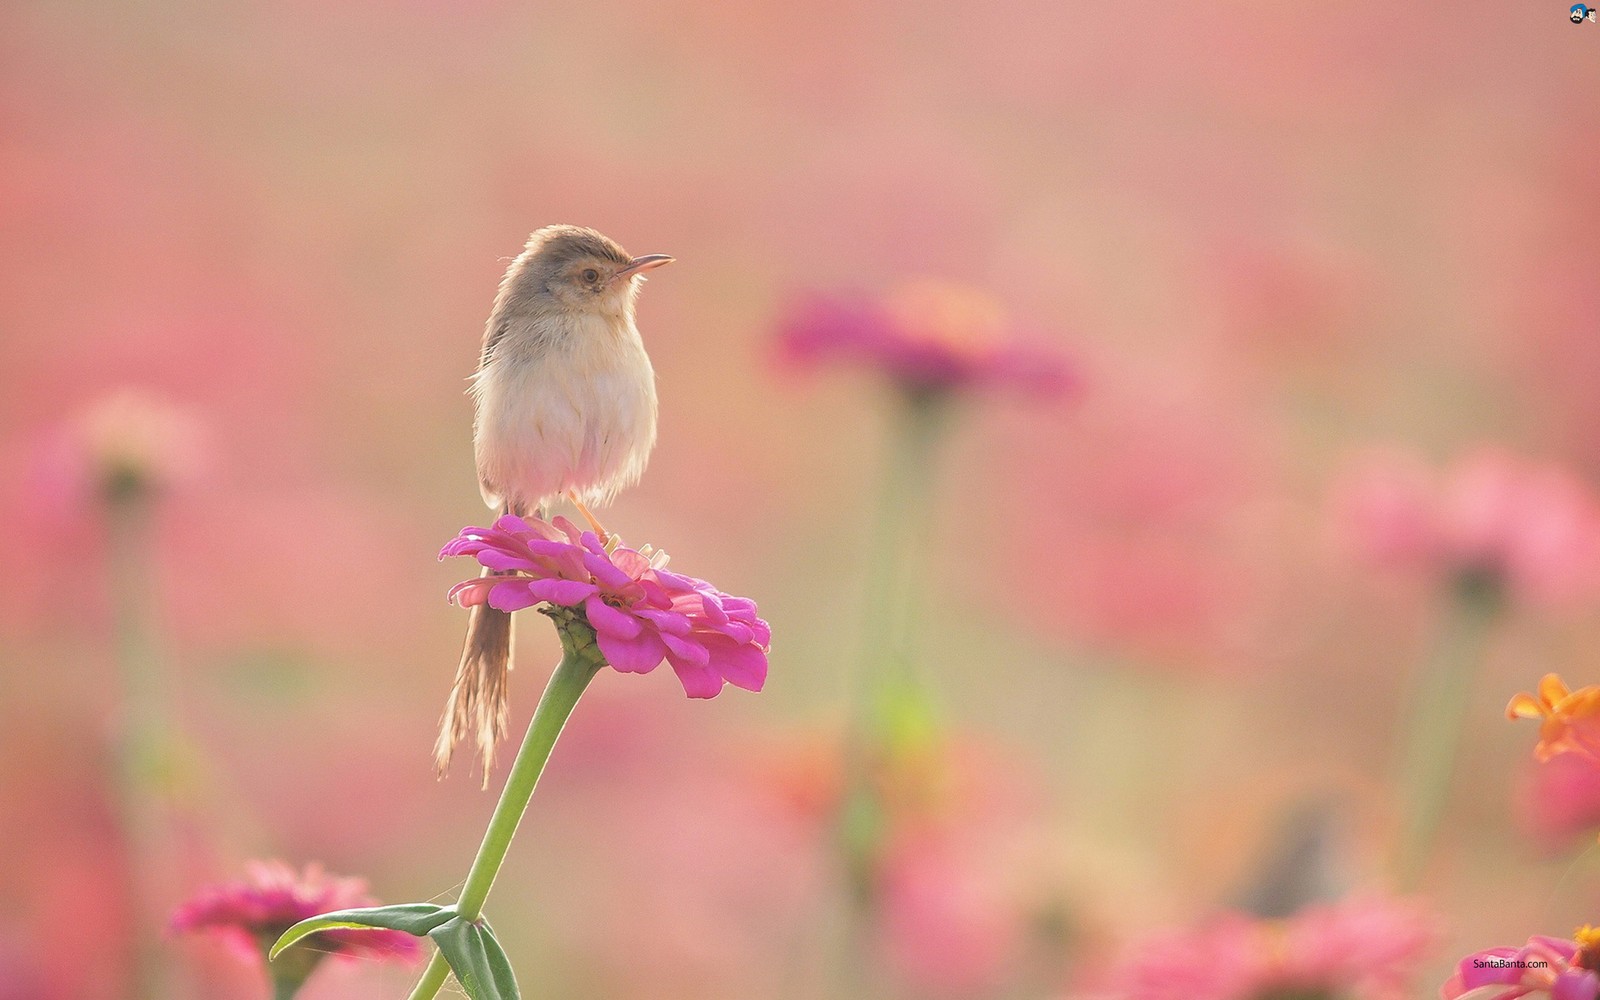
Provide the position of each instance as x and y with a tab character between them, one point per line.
591	275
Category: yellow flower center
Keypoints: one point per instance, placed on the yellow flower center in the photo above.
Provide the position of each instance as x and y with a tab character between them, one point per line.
962	319
1588	939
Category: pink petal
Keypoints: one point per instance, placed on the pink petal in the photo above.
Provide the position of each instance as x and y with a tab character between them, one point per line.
638	655
1576	984
544	531
714	612
697	681
654	594
1472	977
461	545
567	528
498	559
666	621
688	650
468	593
630	562
570	593
610	620
544	547
743	666
605	571
514	595
737	631
675	581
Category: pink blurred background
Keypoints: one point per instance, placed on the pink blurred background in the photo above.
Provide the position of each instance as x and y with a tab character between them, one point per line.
1275	236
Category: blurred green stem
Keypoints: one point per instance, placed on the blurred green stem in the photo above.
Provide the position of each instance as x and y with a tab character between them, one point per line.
892	713
143	765
892	705
580	661
1432	736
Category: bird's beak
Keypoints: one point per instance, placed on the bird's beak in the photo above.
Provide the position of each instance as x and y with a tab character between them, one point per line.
645	263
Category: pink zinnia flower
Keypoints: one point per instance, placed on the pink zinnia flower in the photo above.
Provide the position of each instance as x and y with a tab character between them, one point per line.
1367	947
641	613
928	337
1228	959
129	441
1543	969
1359	949
1531	527
252	913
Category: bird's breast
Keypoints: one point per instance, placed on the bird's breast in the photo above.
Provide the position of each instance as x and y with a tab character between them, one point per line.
569	409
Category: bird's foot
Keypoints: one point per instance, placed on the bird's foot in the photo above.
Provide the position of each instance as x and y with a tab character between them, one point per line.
594	522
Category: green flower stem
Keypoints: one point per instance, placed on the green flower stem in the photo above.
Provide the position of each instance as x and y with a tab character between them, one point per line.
892	714
142	751
890	709
433	978
580	661
893	705
1433	732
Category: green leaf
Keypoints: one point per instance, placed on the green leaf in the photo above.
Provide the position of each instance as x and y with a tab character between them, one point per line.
480	964
414	918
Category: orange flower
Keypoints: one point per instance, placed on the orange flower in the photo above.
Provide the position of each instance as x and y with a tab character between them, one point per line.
1571	719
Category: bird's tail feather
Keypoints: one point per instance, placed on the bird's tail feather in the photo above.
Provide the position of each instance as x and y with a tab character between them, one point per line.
477	706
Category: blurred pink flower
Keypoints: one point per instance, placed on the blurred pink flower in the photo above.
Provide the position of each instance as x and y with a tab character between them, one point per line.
252	913
1545	967
1559	799
1225	960
1366	948
1371	946
641	613
129	440
927	337
949	923
1532	527
959	903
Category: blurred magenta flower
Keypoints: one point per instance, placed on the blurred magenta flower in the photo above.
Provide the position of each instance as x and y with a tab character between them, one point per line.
1545	967
1532	527
1360	949
251	913
1570	720
640	612
928	337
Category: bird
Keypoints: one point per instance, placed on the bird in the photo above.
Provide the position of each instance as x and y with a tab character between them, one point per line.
565	408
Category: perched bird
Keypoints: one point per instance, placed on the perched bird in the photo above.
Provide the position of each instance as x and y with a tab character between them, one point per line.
566	408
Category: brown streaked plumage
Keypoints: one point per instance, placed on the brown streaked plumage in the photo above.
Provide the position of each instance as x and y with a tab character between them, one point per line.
566	409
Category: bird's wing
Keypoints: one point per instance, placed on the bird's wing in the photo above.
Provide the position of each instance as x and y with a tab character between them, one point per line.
492	336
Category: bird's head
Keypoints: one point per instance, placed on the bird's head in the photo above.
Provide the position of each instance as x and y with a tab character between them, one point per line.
579	269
